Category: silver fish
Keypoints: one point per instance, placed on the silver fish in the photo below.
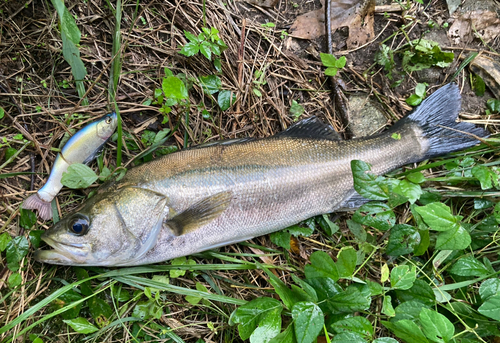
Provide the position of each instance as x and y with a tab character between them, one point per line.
82	147
217	194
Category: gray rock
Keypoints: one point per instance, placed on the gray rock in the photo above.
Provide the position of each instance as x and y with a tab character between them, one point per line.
365	116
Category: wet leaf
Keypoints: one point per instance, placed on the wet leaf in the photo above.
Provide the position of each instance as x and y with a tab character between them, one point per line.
225	99
469	266
17	248
489	288
407	330
100	310
173	87
455	239
350	300
28	219
66	299
190	49
81	325
436	327
14	280
308	321
356	324
438	216
286	336
490	307
402	277
420	292
410	190
250	315
369	185
351	337
403	240
321	265
416	177
346	262
4	241
78	176
486	176
210	84
281	239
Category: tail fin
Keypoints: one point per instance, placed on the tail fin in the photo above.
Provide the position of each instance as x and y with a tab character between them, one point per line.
436	116
34	202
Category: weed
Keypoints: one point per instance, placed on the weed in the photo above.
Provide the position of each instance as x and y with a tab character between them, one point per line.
333	64
207	43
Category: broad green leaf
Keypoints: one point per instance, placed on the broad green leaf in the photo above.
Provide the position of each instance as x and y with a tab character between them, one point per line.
489	288
82	274
225	99
346	262
408	310
281	289
328	226
356	324
206	49
28	219
403	240
281	239
68	24
100	310
175	273
420	89
296	230
81	325
190	36
416	177
286	336
425	241
490	308
385	340
456	239
321	265
4	241
496	212
429	197
369	185
357	230
407	330
71	54
493	105
436	327
348	337
350	300
375	214
420	291
328	60
17	248
307	288
173	87
193	300
485	175
325	288
409	189
438	216
402	277
248	316
78	176
66	299
478	85
268	328
331	71
14	280
308	321
469	266
190	49
414	100
296	110
211	84
387	307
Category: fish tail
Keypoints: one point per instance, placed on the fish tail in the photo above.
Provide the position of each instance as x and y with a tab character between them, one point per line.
437	120
34	202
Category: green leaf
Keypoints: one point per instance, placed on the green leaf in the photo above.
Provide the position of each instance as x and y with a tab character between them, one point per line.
346	262
403	240
67	299
331	71
420	89
28	219
489	288
456	239
436	327
81	325
368	185
325	289
414	100
341	61
490	308
485	176
328	60
409	190
402	277
35	237
296	230
281	239
327	225
350	300
375	214
281	289
469	266
210	84
438	216
100	310
416	177
190	49
420	292
68	24
191	37
71	54
173	87
4	241
357	230
321	265
496	212
348	337
493	105
251	314
14	280
206	49
407	330
308	321
387	307
385	340
296	110
78	176
193	300
2	113
356	324
17	248
286	336
175	273
479	86
225	99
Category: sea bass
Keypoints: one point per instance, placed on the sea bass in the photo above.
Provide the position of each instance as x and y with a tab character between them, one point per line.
82	147
230	191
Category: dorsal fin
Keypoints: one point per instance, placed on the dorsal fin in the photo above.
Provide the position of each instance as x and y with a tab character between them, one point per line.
311	128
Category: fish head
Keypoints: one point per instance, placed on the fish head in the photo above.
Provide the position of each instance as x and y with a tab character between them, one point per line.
110	230
107	125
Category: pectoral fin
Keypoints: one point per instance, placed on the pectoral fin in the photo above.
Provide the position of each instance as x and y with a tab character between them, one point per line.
200	214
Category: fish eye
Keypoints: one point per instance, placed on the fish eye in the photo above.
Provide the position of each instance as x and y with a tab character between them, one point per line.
79	226
108	120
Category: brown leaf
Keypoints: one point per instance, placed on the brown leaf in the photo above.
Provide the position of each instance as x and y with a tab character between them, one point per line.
489	70
295	245
485	23
263	3
355	14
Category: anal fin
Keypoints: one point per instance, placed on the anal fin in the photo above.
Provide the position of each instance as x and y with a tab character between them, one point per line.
200	213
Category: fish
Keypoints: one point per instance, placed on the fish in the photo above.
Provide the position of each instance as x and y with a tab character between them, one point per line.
82	147
226	192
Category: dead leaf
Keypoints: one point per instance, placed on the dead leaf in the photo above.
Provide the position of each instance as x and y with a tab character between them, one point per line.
453	5
489	70
263	3
355	14
295	245
485	23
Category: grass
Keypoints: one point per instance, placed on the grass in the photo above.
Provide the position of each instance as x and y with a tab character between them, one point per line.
382	274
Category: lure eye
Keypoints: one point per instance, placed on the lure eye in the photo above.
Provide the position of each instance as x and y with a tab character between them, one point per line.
108	120
79	226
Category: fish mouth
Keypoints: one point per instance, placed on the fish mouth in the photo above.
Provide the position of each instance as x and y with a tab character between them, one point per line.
63	254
